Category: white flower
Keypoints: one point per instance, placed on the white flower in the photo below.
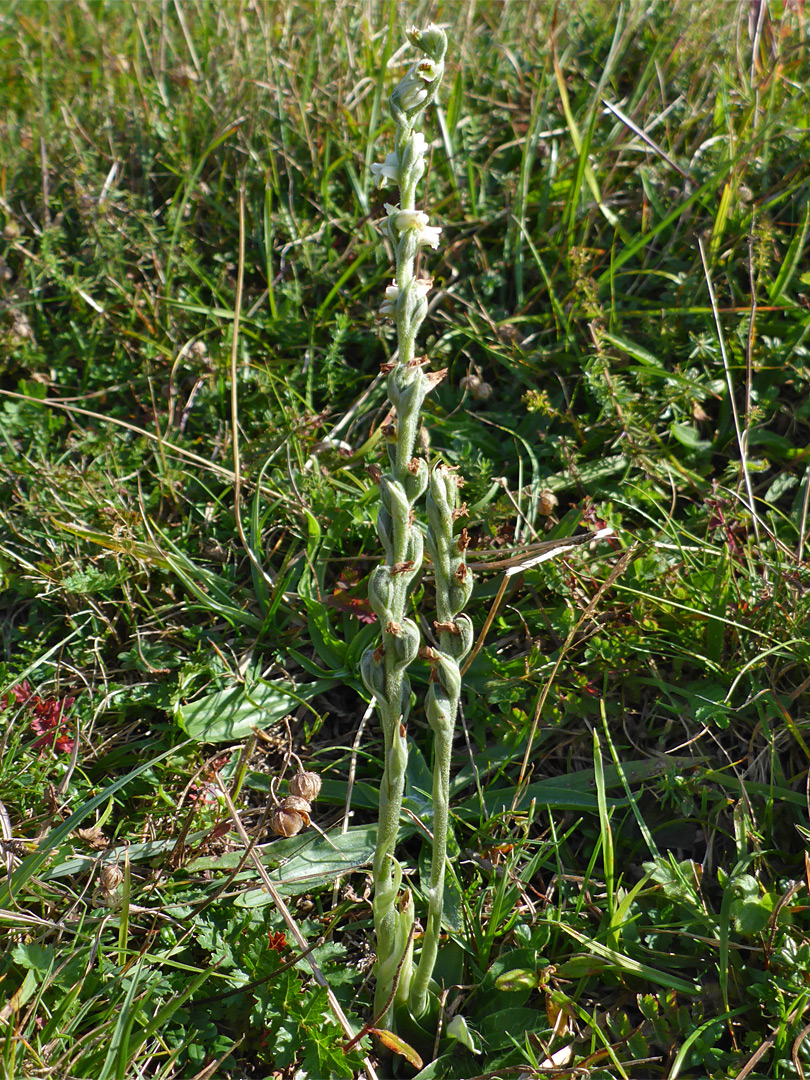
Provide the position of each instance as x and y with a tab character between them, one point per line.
422	287
411	94
419	143
427	70
400	220
430	236
411	91
389	170
430	41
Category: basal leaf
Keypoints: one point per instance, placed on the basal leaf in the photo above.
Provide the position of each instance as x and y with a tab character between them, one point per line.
229	715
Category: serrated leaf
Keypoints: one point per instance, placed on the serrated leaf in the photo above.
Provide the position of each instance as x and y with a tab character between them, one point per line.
37	958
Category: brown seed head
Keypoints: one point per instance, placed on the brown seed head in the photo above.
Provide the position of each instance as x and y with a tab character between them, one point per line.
291	816
306	785
297	803
286	822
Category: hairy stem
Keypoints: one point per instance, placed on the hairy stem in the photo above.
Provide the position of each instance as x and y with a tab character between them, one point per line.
384	667
455	634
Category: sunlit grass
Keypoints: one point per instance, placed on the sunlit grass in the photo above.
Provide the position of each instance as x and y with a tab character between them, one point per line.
627	883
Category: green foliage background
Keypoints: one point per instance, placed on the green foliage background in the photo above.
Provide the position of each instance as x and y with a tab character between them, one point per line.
630	806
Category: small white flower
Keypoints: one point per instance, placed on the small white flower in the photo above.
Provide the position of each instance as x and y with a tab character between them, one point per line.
419	145
427	70
388	170
388	307
405	219
430	236
430	41
411	94
400	220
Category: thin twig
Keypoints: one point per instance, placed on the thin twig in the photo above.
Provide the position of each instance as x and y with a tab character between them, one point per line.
292	926
237	467
742	436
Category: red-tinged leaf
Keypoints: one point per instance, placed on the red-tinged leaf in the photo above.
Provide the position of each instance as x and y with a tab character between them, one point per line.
398	1046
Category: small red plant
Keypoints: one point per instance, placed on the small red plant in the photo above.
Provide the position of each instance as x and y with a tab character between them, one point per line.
48	717
357	606
277	941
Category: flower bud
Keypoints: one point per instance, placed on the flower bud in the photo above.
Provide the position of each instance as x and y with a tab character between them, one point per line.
306	785
433	40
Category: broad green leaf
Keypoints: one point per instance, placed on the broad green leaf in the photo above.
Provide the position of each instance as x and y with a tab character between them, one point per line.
230	715
499	1029
316	862
688	436
555	794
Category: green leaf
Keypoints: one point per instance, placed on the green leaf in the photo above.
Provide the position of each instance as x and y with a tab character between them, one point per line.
517	979
636	351
34	863
556	793
499	1029
791	260
313	862
330	648
230	715
38	958
688	436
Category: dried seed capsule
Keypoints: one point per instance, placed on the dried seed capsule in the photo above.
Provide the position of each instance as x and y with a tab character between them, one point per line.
286	822
306	784
547	503
299	804
478	389
291	816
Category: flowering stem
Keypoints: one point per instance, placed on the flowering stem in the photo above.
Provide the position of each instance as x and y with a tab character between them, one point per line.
455	634
384	668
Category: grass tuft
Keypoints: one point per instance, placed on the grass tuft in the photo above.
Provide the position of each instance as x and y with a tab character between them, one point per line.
624	194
